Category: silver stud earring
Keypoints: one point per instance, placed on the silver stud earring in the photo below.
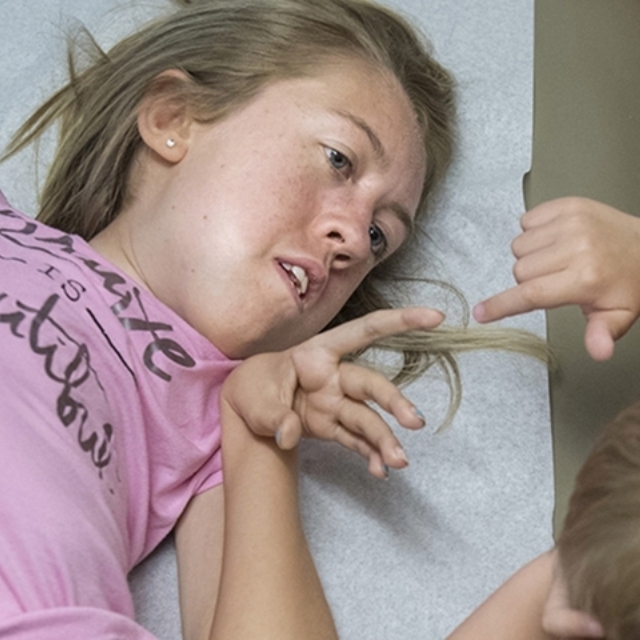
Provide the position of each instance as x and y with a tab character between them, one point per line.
171	143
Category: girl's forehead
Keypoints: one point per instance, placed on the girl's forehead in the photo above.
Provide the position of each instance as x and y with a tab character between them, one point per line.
357	84
355	106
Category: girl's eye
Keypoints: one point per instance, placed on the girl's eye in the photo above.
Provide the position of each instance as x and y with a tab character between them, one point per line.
378	240
338	160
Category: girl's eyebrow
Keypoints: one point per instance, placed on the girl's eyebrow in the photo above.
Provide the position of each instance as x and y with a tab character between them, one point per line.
403	215
378	147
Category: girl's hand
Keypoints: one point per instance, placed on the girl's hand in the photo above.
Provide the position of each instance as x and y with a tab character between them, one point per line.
559	619
576	251
308	390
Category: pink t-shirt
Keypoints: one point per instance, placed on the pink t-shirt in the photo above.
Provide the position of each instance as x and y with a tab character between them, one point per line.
109	424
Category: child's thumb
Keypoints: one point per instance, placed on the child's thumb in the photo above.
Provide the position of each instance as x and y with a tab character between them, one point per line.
289	431
603	329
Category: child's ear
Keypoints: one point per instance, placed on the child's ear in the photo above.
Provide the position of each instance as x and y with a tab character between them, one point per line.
163	119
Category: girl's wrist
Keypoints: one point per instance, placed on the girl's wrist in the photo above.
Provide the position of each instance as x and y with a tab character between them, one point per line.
246	455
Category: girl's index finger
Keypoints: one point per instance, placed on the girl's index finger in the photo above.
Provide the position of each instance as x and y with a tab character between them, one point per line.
361	332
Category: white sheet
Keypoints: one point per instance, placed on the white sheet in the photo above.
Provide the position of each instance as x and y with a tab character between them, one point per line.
405	559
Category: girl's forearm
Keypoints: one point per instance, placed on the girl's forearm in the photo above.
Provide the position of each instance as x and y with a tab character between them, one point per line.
269	586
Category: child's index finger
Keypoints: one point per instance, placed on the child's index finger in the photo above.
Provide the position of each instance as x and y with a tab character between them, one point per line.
361	332
544	292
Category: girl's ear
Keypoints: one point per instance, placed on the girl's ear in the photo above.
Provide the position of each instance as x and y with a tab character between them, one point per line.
163	119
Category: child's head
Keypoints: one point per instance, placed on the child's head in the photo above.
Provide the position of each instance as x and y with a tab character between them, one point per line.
599	545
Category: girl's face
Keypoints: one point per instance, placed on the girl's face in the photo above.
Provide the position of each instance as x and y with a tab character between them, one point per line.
276	213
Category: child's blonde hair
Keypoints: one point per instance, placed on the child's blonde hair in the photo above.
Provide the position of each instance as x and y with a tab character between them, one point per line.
599	546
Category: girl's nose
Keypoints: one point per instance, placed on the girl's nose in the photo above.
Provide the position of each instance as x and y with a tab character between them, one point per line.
347	234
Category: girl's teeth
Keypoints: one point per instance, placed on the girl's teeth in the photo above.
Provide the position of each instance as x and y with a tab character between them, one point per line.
302	278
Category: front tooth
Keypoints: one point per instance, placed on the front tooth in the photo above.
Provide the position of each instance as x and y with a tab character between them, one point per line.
301	277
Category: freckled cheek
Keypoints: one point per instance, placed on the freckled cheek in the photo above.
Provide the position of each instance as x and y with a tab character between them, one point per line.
298	198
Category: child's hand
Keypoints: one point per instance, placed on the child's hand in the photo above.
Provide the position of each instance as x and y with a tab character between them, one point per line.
576	251
559	619
308	390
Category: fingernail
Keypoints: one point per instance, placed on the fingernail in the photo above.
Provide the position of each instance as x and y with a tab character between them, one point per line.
419	414
400	453
278	437
385	468
478	312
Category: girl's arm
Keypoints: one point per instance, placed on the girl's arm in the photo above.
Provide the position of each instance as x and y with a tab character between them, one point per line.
268	585
262	576
199	538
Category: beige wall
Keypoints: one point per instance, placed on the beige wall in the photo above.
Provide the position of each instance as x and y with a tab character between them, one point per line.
586	142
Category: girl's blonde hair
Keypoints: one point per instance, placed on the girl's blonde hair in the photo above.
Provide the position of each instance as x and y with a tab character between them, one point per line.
227	51
599	546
